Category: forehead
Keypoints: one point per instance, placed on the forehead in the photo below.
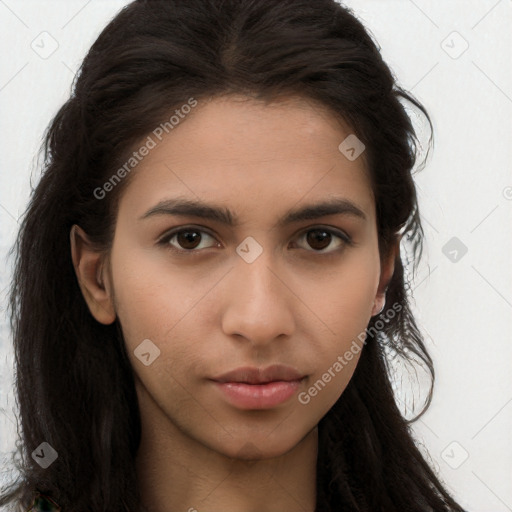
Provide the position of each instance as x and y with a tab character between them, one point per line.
251	154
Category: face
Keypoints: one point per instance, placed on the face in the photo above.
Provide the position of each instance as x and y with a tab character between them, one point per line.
245	281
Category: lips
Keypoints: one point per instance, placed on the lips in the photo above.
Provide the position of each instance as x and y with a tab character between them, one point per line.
250	388
251	375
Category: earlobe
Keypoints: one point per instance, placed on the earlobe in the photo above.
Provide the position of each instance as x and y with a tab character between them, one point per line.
91	274
387	270
379	303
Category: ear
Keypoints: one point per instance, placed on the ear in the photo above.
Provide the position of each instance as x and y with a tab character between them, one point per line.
386	273
92	276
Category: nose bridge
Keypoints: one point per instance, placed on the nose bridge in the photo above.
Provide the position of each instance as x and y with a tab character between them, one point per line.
257	281
259	308
254	263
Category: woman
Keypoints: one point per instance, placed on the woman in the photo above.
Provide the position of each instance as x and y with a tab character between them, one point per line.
209	279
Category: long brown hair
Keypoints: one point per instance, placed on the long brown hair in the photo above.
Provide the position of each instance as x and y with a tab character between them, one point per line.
150	59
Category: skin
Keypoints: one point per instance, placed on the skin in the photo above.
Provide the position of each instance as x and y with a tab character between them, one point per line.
212	311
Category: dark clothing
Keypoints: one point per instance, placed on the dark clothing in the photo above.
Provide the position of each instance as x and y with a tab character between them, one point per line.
43	503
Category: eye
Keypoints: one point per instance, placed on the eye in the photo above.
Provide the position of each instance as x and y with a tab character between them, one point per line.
187	238
321	238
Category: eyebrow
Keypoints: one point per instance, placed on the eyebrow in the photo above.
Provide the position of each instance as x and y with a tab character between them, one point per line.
192	208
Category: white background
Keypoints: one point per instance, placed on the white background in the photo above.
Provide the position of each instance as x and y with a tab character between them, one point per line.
463	301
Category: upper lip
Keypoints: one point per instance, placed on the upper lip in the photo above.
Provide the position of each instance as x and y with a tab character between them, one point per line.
252	375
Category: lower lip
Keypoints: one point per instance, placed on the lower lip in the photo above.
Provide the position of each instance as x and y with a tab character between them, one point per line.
258	396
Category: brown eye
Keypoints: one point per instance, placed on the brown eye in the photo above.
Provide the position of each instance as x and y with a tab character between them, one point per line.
318	239
321	238
187	240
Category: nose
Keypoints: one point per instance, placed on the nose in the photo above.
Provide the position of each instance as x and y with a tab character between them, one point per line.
259	305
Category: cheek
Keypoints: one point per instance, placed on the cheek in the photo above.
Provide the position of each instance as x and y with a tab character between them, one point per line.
346	310
150	321
150	297
349	294
155	304
351	310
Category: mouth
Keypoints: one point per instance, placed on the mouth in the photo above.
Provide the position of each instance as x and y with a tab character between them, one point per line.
255	388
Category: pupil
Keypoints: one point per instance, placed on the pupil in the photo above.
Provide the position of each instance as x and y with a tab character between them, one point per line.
187	237
312	238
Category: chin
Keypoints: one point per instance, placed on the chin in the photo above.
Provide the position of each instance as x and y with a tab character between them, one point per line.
260	447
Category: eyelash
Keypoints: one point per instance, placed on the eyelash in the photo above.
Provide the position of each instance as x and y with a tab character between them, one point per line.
346	239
